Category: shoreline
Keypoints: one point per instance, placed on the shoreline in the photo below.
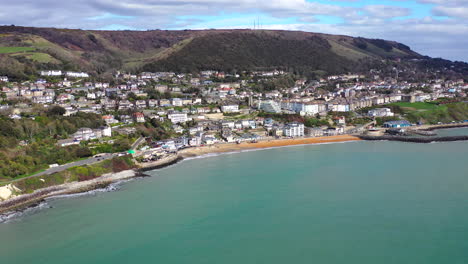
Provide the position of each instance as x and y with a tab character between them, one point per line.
22	202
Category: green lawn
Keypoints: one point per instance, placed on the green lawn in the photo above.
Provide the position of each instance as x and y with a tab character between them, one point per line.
6	50
417	106
41	57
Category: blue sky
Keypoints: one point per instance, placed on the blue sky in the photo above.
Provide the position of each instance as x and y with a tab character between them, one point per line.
436	28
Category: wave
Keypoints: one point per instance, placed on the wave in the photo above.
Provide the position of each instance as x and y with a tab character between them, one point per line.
46	203
209	155
16	215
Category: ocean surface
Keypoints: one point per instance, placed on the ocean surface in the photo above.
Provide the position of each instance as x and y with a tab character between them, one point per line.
353	203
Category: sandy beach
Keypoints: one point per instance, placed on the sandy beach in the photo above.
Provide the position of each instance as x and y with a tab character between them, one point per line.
230	147
25	200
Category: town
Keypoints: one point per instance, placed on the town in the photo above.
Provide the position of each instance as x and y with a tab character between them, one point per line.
159	113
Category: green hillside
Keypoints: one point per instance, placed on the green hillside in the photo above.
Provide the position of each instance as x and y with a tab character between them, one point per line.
26	50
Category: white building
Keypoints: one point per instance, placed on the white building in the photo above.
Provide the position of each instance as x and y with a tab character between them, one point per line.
380	112
106	131
230	108
177	117
3	79
177	102
270	106
77	74
294	130
51	73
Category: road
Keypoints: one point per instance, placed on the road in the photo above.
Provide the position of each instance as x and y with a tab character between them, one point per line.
60	168
139	141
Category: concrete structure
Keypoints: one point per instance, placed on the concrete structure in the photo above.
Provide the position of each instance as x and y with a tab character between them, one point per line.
177	117
294	130
397	124
230	108
380	112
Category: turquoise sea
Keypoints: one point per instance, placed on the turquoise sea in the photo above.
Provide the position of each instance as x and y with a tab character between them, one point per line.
359	202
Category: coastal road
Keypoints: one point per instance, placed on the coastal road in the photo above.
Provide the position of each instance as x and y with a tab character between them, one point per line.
88	161
139	141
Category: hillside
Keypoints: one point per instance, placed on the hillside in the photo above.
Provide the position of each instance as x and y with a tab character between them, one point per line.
25	50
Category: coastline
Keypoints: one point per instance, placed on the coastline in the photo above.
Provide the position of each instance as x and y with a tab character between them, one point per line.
22	202
25	201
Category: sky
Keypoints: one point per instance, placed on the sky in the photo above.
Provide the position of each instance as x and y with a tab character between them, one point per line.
437	28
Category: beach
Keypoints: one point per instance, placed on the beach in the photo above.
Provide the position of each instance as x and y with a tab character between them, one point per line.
232	147
26	200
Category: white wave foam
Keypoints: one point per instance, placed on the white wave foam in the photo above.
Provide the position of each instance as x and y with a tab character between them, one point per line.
17	215
209	155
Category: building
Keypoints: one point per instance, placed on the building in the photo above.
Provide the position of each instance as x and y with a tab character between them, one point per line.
77	74
397	124
270	106
177	117
106	131
139	117
230	108
3	79
51	73
294	130
109	119
177	102
380	112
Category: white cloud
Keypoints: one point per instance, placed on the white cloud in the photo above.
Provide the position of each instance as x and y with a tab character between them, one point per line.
383	11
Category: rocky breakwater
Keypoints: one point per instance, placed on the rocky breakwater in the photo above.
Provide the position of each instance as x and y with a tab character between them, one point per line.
415	139
19	202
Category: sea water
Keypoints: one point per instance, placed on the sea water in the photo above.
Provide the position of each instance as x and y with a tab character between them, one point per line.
358	202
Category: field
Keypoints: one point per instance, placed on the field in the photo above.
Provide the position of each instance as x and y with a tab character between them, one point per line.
7	50
419	106
431	113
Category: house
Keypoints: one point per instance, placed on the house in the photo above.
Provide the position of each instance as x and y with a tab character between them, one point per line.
380	112
84	134
177	117
397	124
140	104
125	104
77	74
51	73
3	79
67	142
139	117
269	106
152	103
109	119
177	102
126	119
227	135
232	108
294	129
340	120
164	102
209	139
314	132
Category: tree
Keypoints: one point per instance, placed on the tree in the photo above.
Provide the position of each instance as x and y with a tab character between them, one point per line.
56	111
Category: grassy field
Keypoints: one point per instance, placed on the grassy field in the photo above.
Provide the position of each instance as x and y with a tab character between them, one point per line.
431	113
419	106
7	50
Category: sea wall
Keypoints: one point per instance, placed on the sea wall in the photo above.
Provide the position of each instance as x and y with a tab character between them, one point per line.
415	139
445	126
26	200
158	164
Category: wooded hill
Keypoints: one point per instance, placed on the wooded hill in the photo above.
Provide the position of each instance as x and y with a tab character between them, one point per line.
25	50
